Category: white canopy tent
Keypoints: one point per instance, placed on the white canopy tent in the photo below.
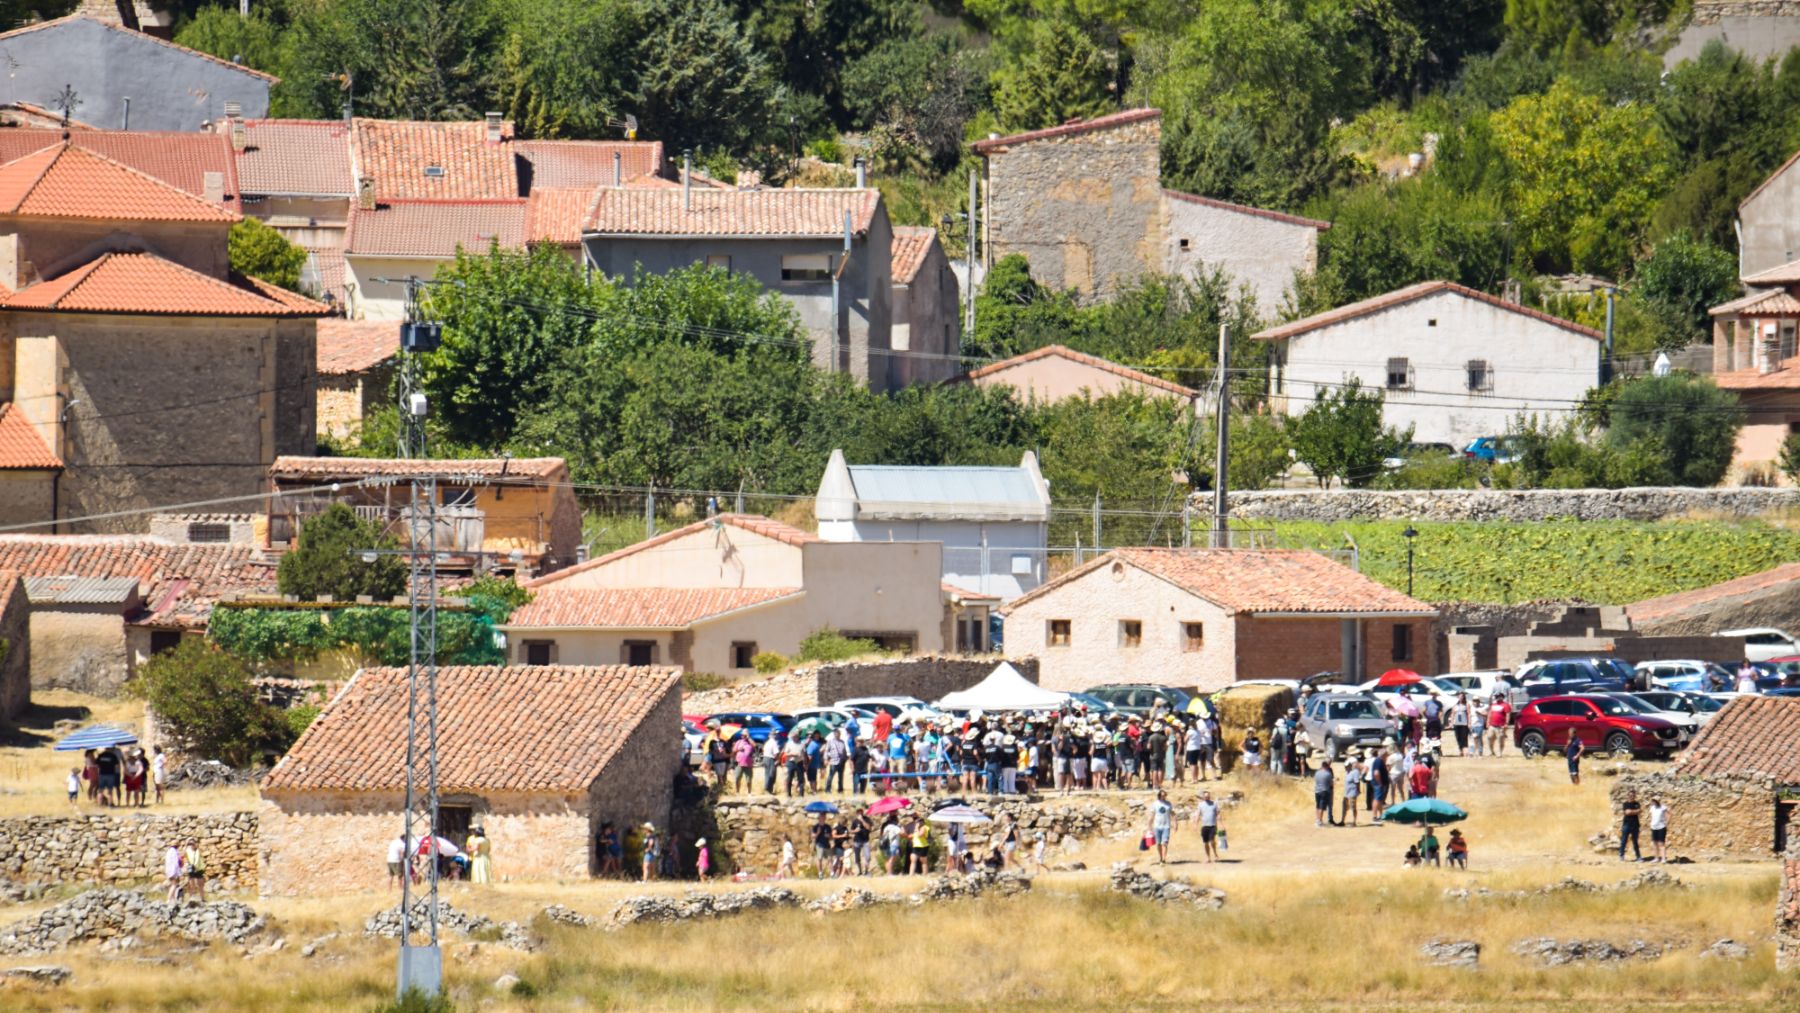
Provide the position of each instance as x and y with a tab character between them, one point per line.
1003	690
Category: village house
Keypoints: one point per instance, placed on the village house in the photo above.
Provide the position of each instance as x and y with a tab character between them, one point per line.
1770	598
124	333
1452	363
1735	788
356	373
1055	372
1756	357
1210	617
513	515
15	646
993	522
712	595
537	757
924	305
125	79
1084	203
1768	224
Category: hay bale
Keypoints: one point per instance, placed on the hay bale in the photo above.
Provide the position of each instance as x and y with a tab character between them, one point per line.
1245	707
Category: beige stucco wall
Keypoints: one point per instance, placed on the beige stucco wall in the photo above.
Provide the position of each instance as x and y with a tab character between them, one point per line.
1052	378
1770	232
382	300
927	324
79	650
725	556
1254	250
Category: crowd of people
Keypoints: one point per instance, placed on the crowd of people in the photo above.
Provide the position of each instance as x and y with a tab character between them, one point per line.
413	858
115	777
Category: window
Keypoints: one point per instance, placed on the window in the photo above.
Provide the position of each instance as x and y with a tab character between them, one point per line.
457	496
1402	642
1184	244
1131	633
1059	633
1193	636
1432	322
434	171
540	652
1481	376
204	533
1021	566
722	261
164	640
806	267
1399	374
742	653
638	652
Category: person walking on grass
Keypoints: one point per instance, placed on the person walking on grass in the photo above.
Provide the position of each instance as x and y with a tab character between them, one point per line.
1037	853
1630	811
786	869
1352	790
1477	725
743	756
1572	752
1207	813
1499	716
652	852
1322	783
703	861
1459	723
195	865
173	874
1659	829
1162	823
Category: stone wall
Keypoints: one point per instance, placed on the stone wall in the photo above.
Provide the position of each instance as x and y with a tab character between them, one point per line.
1787	913
79	650
1643	504
1708	817
125	848
924	676
1708	12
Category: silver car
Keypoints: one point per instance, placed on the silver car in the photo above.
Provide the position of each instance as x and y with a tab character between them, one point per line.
1335	722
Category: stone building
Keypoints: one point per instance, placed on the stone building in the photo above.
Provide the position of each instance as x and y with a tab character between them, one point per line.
1760	29
927	328
15	646
1085	204
356	373
538	757
1734	790
1209	617
1787	913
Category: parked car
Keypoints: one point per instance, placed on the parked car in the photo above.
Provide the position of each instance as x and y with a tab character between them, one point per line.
1763	643
838	716
1337	721
897	707
1493	449
1419	452
759	725
1483	685
1606	671
1686	723
693	744
1139	697
1094	704
1599	721
1684	674
1701	706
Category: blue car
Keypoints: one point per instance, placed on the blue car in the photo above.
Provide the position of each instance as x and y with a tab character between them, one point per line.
1492	449
759	725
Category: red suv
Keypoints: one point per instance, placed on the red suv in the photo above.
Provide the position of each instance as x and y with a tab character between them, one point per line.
1602	723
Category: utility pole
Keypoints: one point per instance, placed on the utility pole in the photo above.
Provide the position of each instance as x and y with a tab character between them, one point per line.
969	300
1221	538
1097	546
1606	364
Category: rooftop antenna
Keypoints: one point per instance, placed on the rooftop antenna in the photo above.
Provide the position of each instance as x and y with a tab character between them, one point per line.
67	101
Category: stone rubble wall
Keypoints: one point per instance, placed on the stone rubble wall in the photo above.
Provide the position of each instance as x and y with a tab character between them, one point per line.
110	914
1640	504
1787	913
925	676
1708	817
1708	12
121	848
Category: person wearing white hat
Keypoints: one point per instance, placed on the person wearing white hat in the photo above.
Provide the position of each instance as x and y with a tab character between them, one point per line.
703	860
651	852
1009	765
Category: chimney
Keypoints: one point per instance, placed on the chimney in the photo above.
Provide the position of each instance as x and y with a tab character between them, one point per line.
365	193
618	169
687	179
862	173
240	134
212	185
493	128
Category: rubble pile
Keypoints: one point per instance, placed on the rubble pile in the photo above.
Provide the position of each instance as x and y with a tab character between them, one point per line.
1126	879
386	922
108	913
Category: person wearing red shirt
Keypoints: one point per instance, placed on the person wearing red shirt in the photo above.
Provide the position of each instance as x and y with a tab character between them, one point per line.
1421	779
884	724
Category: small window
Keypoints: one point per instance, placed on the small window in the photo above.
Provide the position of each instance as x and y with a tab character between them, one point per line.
1432	322
457	495
639	652
1021	566
743	653
1402	642
719	260
164	640
1184	244
1131	633
806	267
434	171
206	534
1059	633
1481	376
539	652
1193	636
1399	374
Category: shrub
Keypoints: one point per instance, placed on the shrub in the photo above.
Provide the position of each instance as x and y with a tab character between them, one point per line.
768	662
830	645
329	560
1790	458
829	150
700	682
204	696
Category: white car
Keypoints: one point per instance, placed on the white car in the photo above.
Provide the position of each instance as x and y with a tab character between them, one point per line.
1764	643
896	706
837	717
1481	686
1681	675
1701	706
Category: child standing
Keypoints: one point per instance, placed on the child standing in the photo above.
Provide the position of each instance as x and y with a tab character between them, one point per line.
704	861
75	787
786	868
1037	854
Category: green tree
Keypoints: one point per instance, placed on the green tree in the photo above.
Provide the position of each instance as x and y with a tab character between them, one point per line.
259	251
405	59
329	559
1683	426
566	66
1341	436
1057	73
920	90
1015	313
1124	447
1789	461
811	44
205	698
701	78
221	31
1385	236
1684	277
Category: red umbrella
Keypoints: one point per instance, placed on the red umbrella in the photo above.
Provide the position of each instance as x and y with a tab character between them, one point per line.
889	804
1398	677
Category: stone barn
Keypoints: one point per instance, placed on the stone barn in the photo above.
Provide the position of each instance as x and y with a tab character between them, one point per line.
1734	791
538	756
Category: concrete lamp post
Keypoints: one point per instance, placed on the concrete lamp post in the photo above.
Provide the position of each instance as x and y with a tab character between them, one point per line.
1409	534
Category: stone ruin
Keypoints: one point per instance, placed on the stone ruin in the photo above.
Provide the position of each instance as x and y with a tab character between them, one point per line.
386	923
1126	879
1649	879
110	914
698	904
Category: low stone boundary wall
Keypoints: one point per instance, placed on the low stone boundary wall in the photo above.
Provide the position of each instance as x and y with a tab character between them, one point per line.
1709	817
926	677
125	848
1641	504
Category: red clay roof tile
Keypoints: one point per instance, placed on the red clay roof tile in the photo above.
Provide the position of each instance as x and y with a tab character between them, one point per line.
181	582
586	164
403	157
1064	352
767	527
911	244
1068	129
1254	581
527	728
1400	297
296	157
21	448
643	608
68	181
435	229
331	468
1664	606
352	346
557	214
181	160
1752	736
143	283
709	212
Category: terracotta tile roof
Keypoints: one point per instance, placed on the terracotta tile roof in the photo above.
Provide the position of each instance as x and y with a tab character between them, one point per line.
296	157
585	164
791	212
21	448
1753	735
1774	303
1262	581
1786	274
351	346
53	22
911	244
68	181
641	608
180	159
1664	606
1742	302
557	214
526	728
434	229
26	114
180	582
145	284
1093	361
333	468
1068	129
397	153
766	527
1411	293
1784	377
1245	209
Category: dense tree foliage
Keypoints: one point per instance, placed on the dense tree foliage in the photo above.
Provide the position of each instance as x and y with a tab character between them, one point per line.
329	559
205	698
258	251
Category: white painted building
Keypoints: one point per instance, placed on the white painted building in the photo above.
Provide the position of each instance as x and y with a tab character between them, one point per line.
1258	248
1454	363
994	523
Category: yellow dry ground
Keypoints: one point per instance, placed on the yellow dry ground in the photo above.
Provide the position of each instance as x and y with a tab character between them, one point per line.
1315	918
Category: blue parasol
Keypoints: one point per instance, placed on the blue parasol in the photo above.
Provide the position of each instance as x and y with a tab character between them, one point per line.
820	807
1424	810
95	737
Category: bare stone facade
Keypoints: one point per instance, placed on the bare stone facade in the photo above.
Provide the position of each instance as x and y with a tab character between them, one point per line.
1708	12
1709	817
1787	914
80	648
15	646
121	848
